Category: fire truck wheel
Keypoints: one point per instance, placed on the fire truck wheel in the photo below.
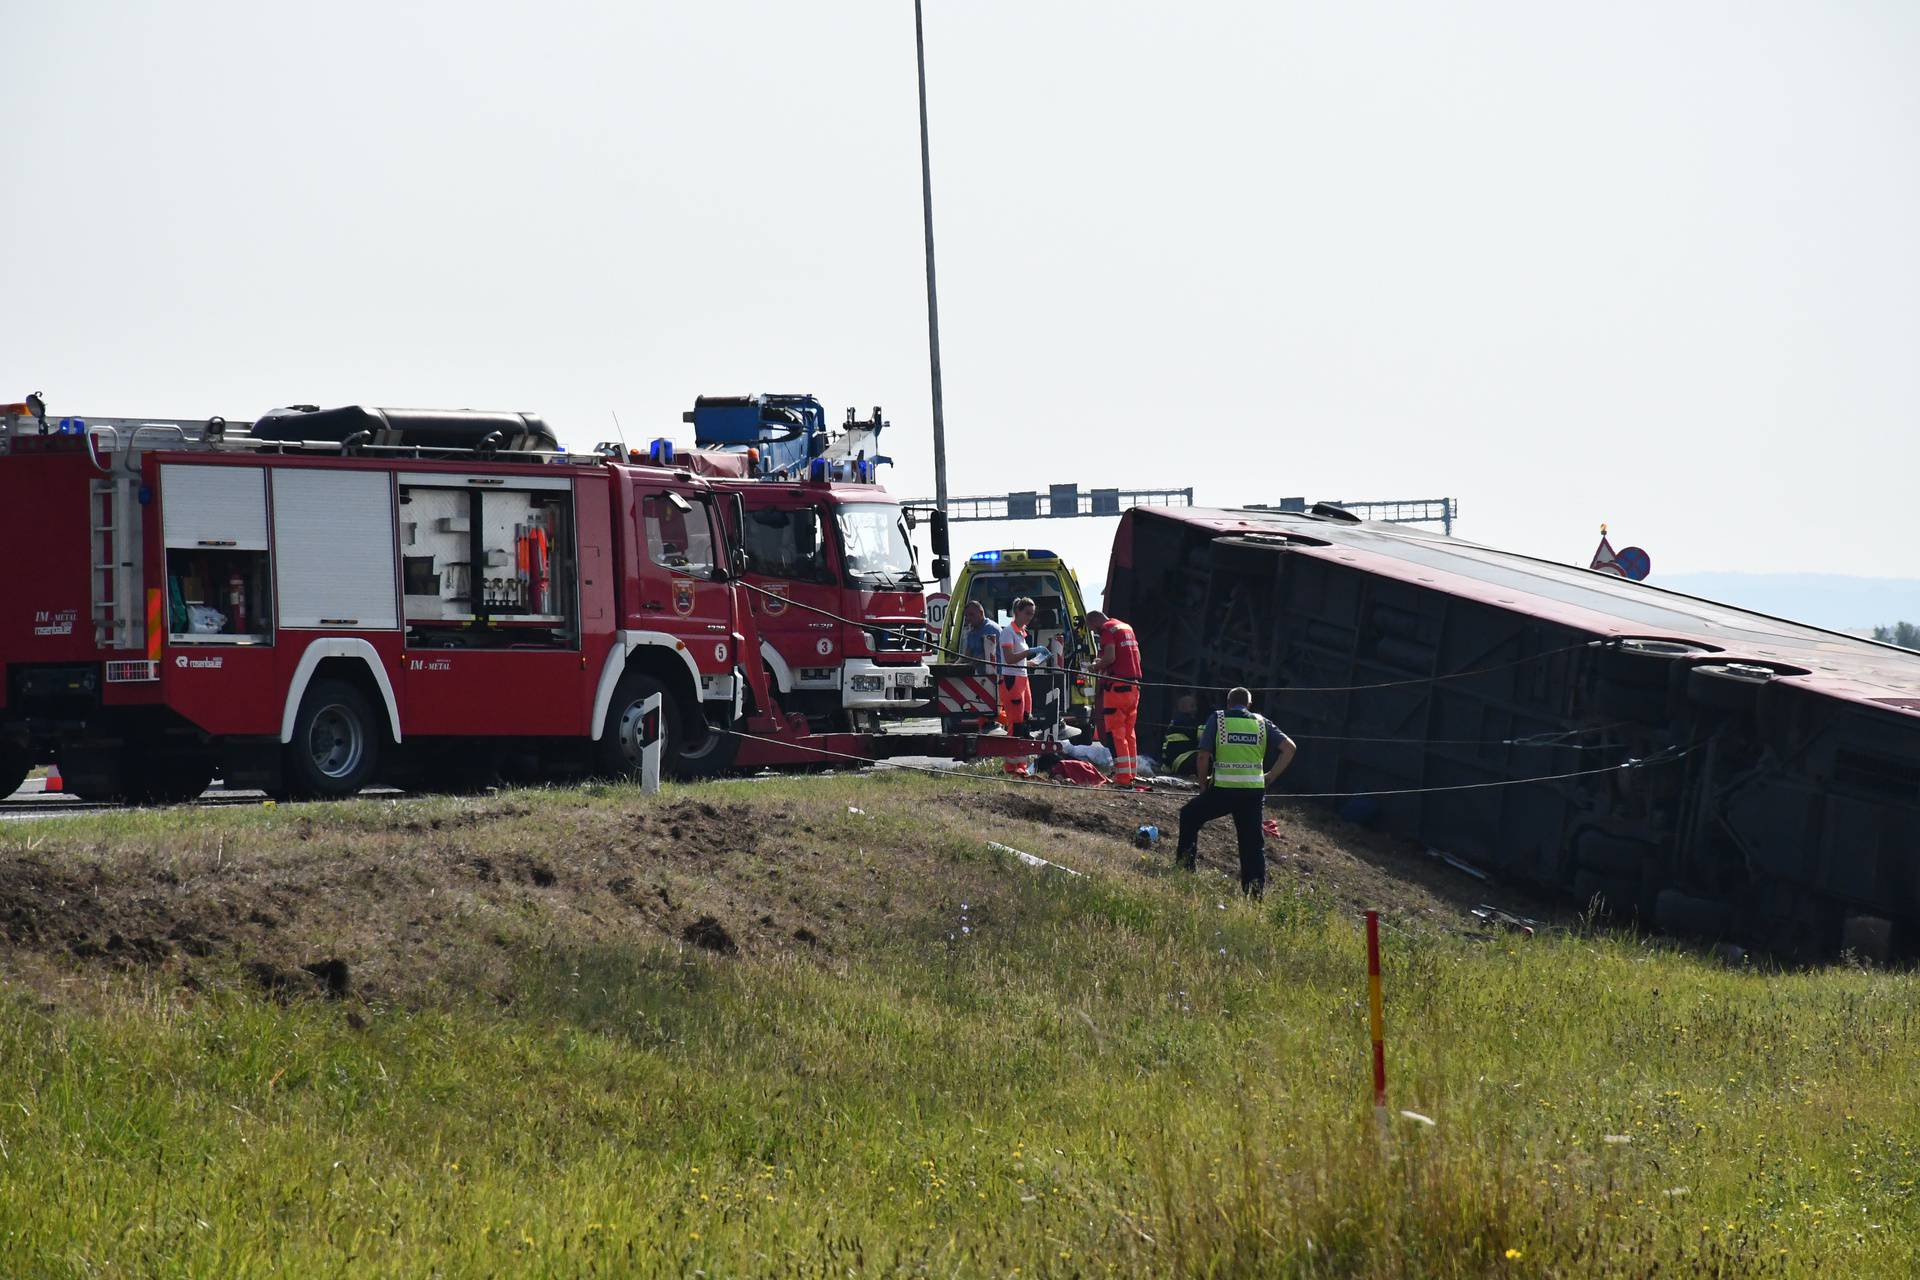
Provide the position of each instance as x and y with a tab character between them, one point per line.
617	754
15	765
335	745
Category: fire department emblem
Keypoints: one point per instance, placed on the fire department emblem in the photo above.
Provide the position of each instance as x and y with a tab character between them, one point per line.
776	602
683	598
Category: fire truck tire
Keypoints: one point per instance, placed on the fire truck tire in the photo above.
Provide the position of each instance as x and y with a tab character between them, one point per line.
15	765
617	754
336	742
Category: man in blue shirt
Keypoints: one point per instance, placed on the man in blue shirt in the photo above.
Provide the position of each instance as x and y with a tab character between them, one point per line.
1231	764
979	638
980	643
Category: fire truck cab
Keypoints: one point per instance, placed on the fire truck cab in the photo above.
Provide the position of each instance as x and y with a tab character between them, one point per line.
835	592
330	597
830	574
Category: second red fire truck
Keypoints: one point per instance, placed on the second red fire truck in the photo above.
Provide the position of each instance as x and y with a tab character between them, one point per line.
831	574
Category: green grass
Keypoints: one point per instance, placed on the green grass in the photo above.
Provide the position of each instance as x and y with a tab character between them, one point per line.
1132	1074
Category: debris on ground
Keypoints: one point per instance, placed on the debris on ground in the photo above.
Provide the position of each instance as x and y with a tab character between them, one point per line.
1505	919
1032	860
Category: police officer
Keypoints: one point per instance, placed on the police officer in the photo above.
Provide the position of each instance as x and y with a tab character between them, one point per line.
1234	776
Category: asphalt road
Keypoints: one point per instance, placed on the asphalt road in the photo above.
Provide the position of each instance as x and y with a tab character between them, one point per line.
31	803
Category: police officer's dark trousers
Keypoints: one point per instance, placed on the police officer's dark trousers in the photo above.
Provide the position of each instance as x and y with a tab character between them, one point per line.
1247	807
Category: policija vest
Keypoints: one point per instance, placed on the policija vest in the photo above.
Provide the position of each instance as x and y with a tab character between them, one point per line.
1240	752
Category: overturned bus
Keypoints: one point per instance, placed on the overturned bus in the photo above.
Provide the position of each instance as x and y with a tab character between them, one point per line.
1704	768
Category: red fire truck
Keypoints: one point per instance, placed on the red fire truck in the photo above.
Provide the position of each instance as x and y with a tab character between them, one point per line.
832	577
333	596
832	581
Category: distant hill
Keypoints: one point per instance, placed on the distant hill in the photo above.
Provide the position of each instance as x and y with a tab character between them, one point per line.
1833	600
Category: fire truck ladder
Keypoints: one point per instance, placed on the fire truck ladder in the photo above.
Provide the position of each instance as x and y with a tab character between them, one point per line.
118	622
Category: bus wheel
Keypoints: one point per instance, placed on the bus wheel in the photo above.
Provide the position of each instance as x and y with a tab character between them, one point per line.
335	746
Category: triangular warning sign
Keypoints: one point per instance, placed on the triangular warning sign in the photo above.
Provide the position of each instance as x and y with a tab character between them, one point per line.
1604	560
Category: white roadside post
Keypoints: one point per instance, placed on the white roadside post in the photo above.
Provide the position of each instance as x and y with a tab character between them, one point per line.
650	743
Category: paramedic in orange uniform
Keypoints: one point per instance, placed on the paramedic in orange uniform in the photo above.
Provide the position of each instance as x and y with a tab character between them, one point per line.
1016	693
1118	665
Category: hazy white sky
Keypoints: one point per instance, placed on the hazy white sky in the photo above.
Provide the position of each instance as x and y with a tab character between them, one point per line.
1648	263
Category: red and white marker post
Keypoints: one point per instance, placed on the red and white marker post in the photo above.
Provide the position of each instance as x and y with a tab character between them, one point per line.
1378	1013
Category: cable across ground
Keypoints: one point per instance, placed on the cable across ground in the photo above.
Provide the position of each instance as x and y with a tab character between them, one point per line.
1666	757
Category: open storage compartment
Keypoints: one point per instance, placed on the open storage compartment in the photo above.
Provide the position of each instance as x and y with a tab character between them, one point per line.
488	562
219	573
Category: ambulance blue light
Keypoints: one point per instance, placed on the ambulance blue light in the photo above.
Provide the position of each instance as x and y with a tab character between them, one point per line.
1035	553
985	557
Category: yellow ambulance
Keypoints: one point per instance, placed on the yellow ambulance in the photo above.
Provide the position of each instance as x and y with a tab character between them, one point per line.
994	580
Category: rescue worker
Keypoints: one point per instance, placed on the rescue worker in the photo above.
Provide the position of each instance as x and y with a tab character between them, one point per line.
1016	693
1234	776
1182	740
1117	663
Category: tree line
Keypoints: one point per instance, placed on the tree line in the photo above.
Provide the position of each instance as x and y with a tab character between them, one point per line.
1904	634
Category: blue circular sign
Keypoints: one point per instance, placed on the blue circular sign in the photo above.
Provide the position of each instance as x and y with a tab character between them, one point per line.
1634	562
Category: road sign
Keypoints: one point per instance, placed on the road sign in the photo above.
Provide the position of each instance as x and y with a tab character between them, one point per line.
937	608
1634	563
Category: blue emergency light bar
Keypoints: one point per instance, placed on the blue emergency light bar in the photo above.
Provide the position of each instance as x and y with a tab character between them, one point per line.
993	557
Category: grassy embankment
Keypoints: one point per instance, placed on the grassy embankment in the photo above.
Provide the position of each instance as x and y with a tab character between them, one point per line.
923	1057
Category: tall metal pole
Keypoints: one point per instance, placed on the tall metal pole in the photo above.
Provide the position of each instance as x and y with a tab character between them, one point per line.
933	298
